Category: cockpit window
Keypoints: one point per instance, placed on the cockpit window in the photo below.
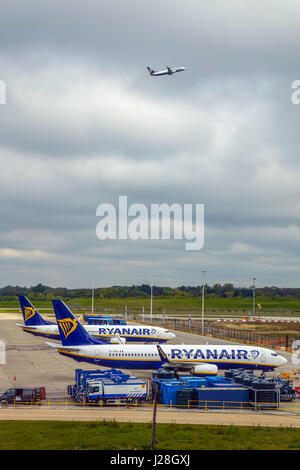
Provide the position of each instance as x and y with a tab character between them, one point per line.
274	354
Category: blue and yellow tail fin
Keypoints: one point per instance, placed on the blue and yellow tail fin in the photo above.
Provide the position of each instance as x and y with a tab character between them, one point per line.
30	314
72	333
150	70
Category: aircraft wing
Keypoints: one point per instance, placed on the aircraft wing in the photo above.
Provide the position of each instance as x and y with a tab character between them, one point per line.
179	69
170	71
194	367
167	364
179	365
60	346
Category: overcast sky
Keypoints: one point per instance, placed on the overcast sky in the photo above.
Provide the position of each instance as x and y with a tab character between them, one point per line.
84	123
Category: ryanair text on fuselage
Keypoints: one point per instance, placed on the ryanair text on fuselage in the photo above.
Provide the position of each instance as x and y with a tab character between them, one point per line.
198	359
35	324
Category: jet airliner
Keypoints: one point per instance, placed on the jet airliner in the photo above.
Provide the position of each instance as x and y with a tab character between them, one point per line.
35	324
196	359
167	71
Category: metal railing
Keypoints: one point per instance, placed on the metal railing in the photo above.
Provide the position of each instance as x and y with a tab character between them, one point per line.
219	330
204	405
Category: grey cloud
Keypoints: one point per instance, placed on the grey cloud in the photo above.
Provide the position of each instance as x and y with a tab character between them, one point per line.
84	123
237	35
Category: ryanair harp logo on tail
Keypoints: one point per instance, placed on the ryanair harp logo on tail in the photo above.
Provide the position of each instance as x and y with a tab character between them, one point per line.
68	325
29	312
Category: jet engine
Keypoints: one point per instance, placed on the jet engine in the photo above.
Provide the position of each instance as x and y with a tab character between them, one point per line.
204	369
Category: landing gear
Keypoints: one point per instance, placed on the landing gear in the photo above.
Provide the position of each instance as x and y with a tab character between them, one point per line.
176	375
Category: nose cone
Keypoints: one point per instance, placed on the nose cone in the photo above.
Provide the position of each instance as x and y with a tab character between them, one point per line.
282	360
168	334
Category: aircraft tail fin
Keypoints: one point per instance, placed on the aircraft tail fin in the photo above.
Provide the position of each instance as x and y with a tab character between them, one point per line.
30	314
150	70
71	331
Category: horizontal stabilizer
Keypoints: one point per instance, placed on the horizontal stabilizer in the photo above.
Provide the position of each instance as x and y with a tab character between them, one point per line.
59	346
53	345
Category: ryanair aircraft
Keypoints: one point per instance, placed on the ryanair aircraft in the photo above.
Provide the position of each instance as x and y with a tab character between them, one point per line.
35	324
167	71
197	359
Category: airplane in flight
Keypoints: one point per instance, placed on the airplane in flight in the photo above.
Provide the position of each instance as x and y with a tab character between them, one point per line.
196	359
35	324
167	71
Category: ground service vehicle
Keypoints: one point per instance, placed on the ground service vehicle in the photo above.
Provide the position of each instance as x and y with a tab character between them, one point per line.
107	386
23	395
108	391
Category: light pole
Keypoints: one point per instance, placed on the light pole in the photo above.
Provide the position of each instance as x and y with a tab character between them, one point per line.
253	287
154	417
151	293
202	317
93	287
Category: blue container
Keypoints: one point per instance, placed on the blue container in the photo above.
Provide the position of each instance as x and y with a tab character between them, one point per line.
161	383
168	388
169	393
194	381
185	397
222	398
221	382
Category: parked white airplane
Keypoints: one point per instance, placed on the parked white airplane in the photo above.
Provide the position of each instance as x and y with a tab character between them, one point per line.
35	324
167	71
197	359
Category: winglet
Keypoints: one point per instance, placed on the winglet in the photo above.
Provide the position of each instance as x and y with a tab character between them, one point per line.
162	355
116	339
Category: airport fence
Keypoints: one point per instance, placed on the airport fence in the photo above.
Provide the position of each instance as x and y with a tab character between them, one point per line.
203	405
219	330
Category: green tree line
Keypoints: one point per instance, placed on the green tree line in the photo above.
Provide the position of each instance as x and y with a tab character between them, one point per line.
227	290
